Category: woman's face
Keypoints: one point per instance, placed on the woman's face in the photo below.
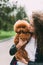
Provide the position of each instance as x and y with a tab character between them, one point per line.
32	29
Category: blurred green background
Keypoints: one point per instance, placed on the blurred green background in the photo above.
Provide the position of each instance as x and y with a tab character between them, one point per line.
8	16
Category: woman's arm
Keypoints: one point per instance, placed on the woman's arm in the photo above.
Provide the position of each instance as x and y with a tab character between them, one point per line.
15	48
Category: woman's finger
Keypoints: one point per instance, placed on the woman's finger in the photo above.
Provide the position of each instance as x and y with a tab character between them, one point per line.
22	42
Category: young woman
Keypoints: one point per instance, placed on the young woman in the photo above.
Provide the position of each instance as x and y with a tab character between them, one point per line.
37	22
37	28
35	45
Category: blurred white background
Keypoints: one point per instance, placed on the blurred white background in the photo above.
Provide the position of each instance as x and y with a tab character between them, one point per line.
30	5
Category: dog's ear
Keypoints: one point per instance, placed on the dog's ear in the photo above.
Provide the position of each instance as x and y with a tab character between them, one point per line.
16	25
16	39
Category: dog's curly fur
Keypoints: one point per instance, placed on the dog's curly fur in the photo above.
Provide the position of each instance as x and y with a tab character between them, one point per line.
21	28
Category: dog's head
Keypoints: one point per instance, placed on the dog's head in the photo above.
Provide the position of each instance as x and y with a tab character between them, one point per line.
21	28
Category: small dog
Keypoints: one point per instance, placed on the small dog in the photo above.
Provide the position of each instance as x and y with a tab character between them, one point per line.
22	32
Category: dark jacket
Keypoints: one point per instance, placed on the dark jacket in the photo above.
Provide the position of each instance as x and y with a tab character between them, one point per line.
38	60
13	50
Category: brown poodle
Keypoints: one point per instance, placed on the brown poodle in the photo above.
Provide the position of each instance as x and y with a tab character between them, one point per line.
22	32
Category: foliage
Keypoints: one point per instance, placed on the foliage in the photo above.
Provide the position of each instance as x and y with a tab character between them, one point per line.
7	17
6	34
6	20
21	13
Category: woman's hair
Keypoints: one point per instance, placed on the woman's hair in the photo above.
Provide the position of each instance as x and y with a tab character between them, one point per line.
38	24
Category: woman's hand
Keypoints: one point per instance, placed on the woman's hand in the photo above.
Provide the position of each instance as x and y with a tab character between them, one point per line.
23	61
20	44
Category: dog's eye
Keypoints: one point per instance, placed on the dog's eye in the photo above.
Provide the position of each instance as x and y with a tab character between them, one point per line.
19	32
21	26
